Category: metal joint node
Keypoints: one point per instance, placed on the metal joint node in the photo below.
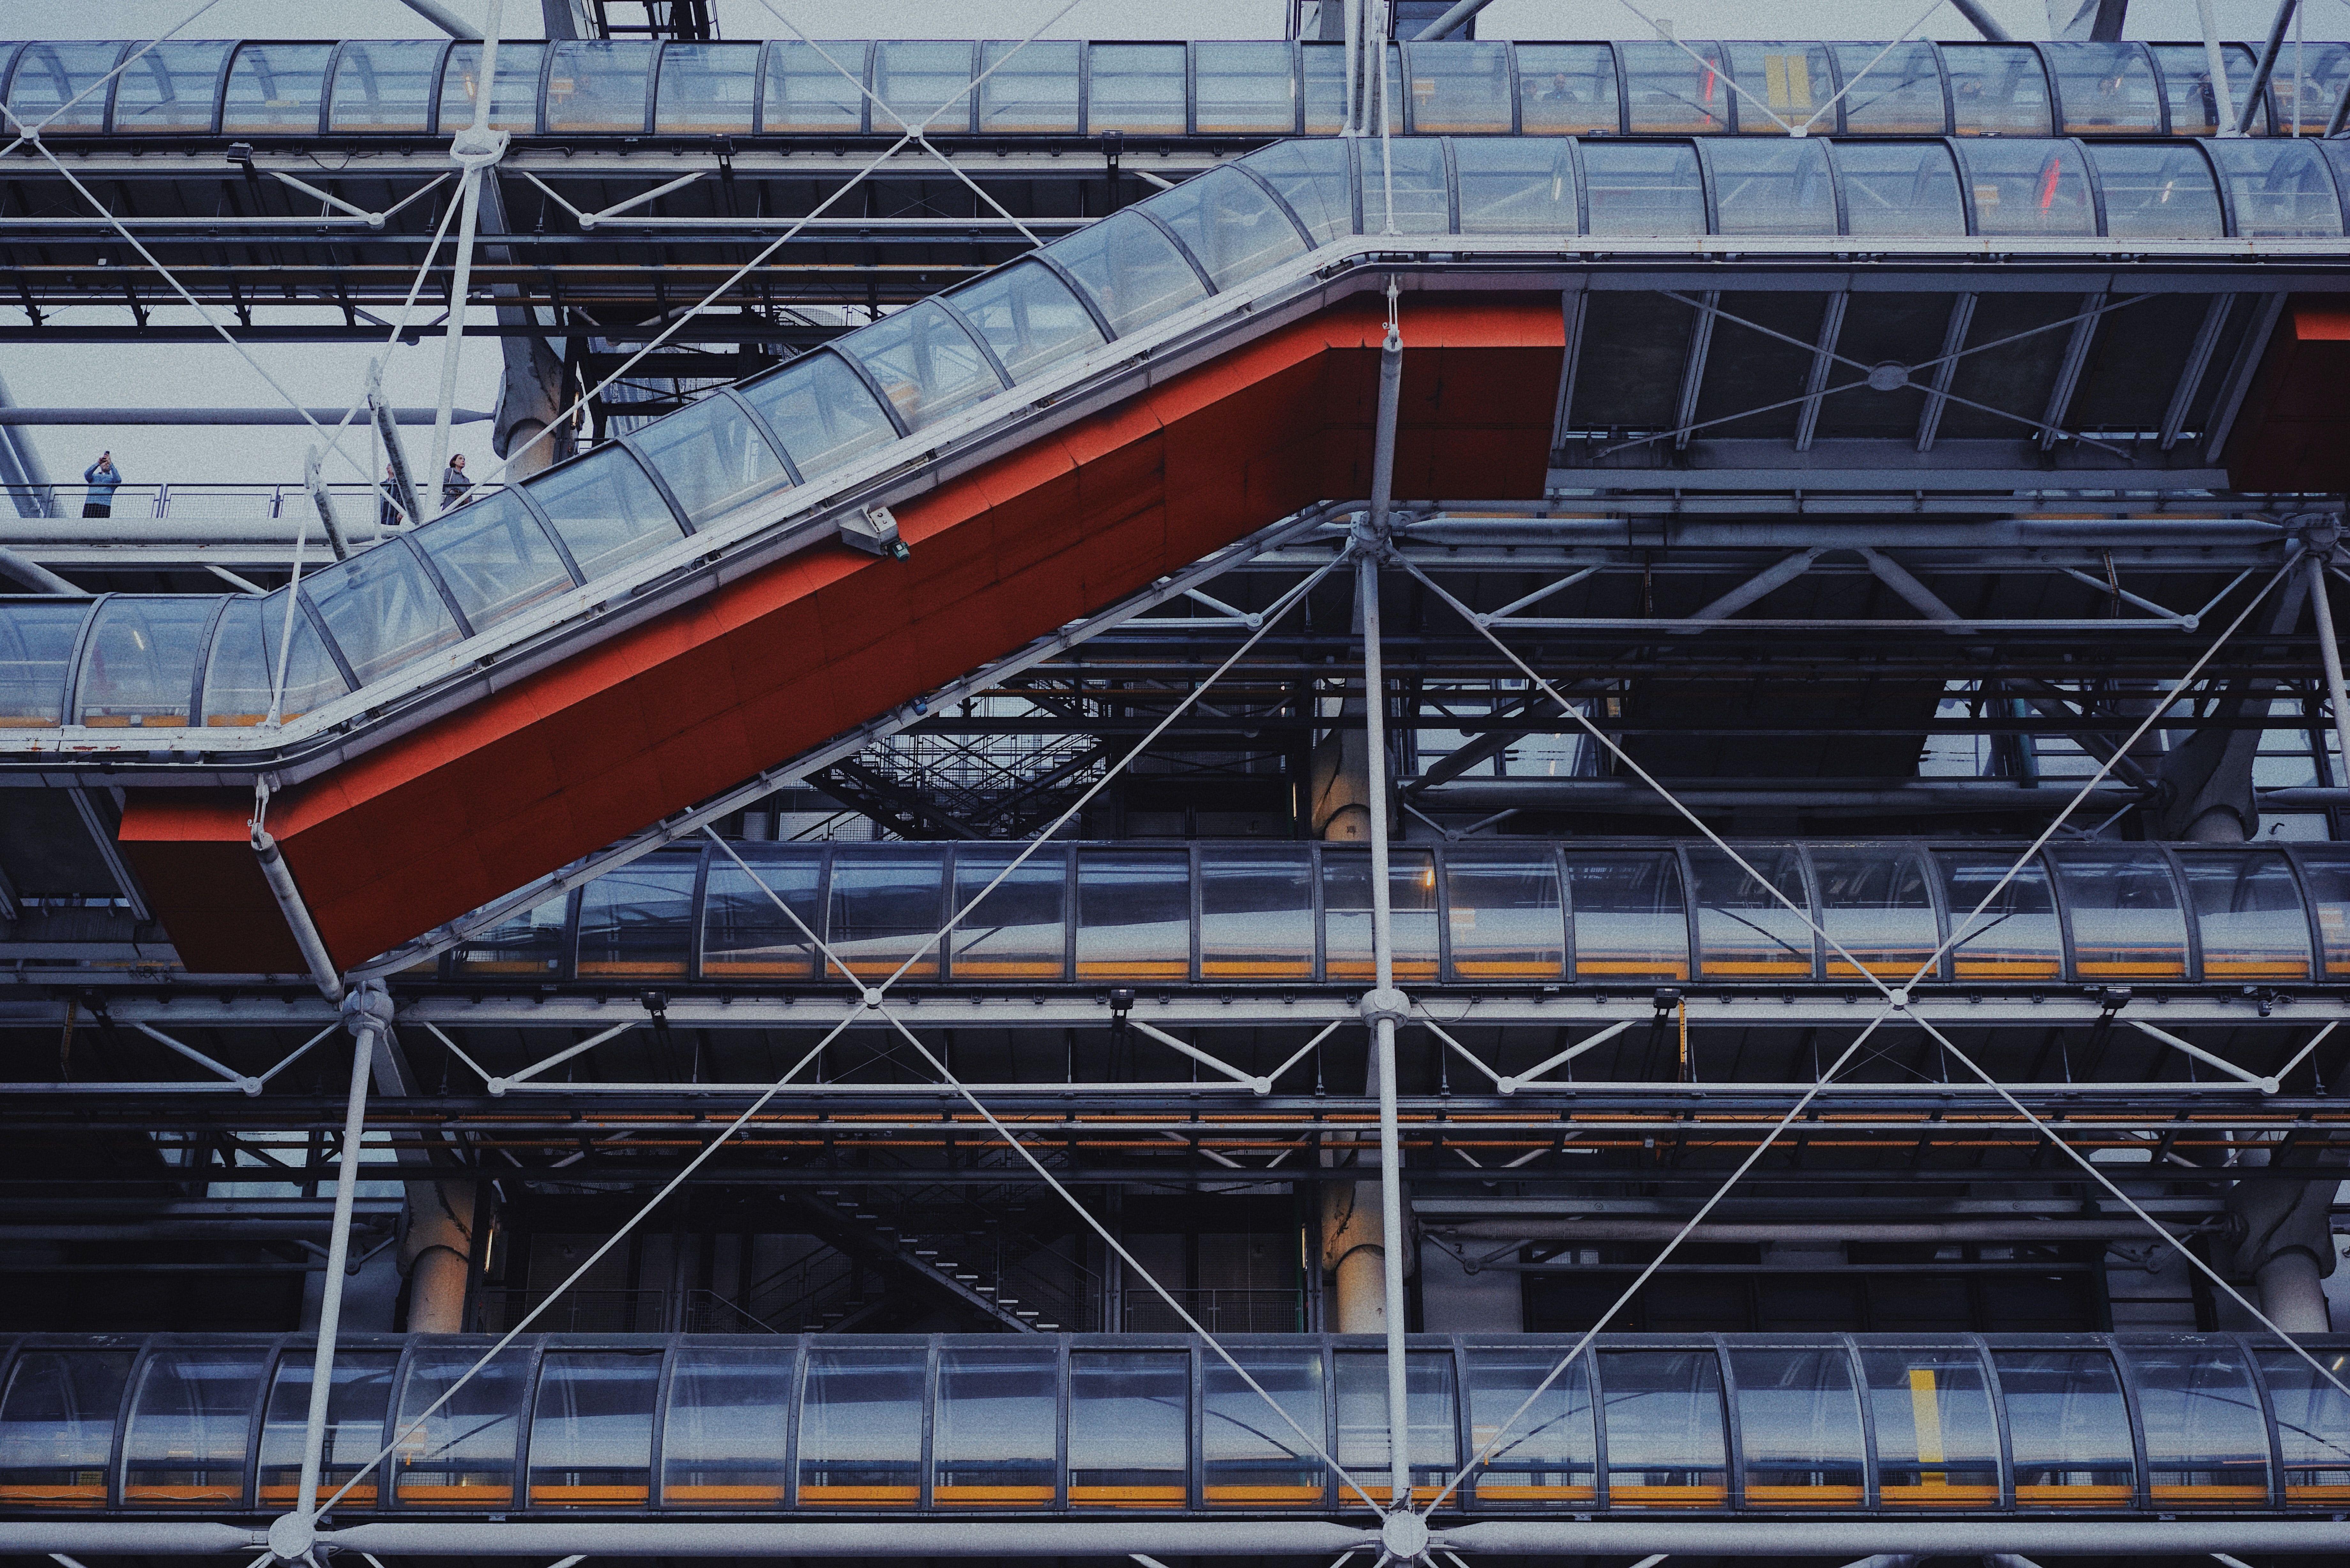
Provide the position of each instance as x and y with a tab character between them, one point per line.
366	1004
1403	1534
470	148
1385	1005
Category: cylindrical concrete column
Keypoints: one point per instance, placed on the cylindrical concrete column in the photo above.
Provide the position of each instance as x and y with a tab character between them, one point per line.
1354	1256
2292	1292
437	1254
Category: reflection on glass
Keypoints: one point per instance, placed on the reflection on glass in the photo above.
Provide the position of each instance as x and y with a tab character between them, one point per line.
925	363
2106	89
2126	923
57	1426
1458	89
1310	176
50	76
384	84
1799	1427
1323	69
1643	188
1937	1439
1128	1428
190	1421
171	88
381	609
462	1454
1791	81
2312	1426
1776	187
1669	88
637	923
2207	1445
1233	229
922	85
2309	74
1547	1457
591	1428
1136	88
605	509
525	946
1630	921
1255	1454
2278	188
1743	930
821	411
358	1396
861	1429
1018	931
1027	315
1243	88
138	665
1515	187
1997	89
1874	905
712	456
273	90
1134	914
1411	922
1410	174
1364	1432
1567	88
2068	1429
744	936
2012	937
2247	913
36	645
994	1444
1890	91
1030	89
2186	85
513	104
813	87
1505	914
597	85
722	1440
2158	193
1131	269
1900	188
241	671
707	90
885	908
2029	188
1665	1442
1256	913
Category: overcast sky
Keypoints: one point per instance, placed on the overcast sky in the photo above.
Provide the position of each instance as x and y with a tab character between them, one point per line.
331	375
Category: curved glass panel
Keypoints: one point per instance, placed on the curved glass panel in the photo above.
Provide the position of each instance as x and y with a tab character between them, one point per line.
1129	1429
1778	187
2158	193
1799	1429
2067	1428
1134	272
1256	913
1346	914
1630	923
1792	82
1890	91
2278	188
525	946
1019	929
1997	89
1567	89
921	84
1547	1457
1504	913
381	610
2125	914
2106	89
1136	88
462	1454
2187	87
190	1420
606	510
1668	89
1134	914
274	89
1410	174
637	922
56	1427
2247	915
1323	69
1516	187
2029	188
36	645
1236	231
384	84
1312	177
241	670
171	88
707	90
1252	1454
597	85
2311	75
496	558
813	86
744	936
1643	188
357	1399
1027	315
1875	906
2207	1444
1458	88
884	910
1365	1435
50	77
2012	937
591	1428
713	457
821	411
1742	932
861	1428
1666	1445
2326	871
139	667
1937	1438
722	1440
1031	88
514	103
925	362
995	1443
1900	188
1243	88
2312	1426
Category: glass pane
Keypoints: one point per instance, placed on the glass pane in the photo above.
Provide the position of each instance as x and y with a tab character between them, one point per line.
1243	88
2309	72
1233	228
241	670
1134	914
1253	1456
1504	914
744	936
1129	1429
2106	89
2187	87
2158	193
1411	907
139	667
2029	188
1363	1429
1516	187
722	1443
885	908
527	946
1937	1440
1669	88
807	90
925	362
1792	82
1875	906
861	1429
606	510
57	1426
37	645
274	88
1996	89
921	84
2015	936
1799	1429
1743	932
1548	1456
2207	1443
637	923
2247	913
381	610
591	1429
1411	174
711	457
1631	921
48	77
171	87
1033	88
513	105
1638	189
1324	78
597	85
994	1443
1019	930
358	1397
1256	913
1897	94
1133	272
707	90
2278	188
190	1421
2312	1426
2327	873
1665	1443
496	558
1567	88
1776	187
822	412
1028	317
2068	1429
1313	178
1136	88
2126	923
1458	89
384	84
1897	188
462	1454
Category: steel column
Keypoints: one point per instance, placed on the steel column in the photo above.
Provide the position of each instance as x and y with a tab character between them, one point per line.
2329	649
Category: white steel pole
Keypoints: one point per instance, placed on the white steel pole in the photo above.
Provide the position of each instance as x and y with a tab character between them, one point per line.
474	148
2329	651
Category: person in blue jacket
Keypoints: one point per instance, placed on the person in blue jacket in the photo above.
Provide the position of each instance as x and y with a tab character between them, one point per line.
101	477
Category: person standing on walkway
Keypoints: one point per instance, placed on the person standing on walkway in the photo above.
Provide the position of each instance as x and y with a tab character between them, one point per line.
101	477
454	483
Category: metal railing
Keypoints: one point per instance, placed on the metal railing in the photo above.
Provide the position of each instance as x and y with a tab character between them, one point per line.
201	502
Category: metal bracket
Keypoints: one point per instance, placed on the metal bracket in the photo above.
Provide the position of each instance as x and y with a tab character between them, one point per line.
873	530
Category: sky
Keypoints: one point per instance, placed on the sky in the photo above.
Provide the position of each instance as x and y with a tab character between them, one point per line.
331	375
